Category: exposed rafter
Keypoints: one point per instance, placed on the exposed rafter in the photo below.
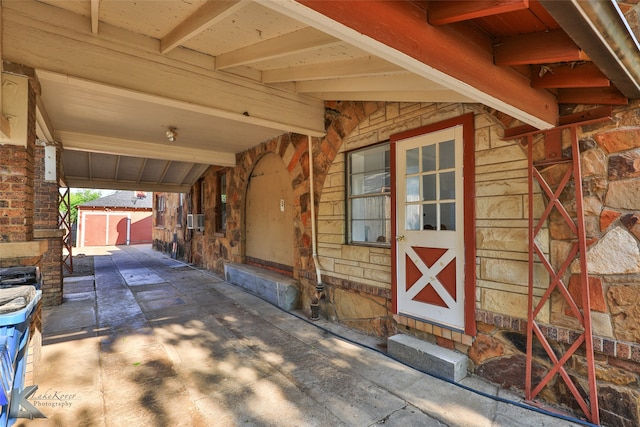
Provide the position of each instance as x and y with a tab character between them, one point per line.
40	44
538	48
286	45
203	18
602	31
573	75
358	67
81	182
600	96
407	82
150	150
448	12
435	53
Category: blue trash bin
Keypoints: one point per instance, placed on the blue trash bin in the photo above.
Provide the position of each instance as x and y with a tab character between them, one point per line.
17	304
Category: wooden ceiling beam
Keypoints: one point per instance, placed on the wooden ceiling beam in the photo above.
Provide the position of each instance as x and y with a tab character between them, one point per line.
203	18
397	31
143	149
538	48
596	96
575	75
82	182
358	67
448	12
49	38
289	44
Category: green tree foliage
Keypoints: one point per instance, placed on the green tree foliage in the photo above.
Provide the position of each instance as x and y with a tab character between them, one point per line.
78	197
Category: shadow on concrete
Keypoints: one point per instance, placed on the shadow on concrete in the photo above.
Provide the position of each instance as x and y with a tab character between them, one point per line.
175	346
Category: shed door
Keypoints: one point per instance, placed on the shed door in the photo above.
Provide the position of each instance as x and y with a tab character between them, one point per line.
430	227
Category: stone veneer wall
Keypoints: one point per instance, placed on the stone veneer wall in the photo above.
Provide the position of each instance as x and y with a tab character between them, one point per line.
610	163
362	274
358	277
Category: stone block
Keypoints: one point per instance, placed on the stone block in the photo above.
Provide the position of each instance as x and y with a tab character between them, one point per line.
596	294
616	253
505	154
502	188
515	272
428	357
355	253
499	207
354	305
623	194
511	304
593	162
506	239
619	139
624	303
280	290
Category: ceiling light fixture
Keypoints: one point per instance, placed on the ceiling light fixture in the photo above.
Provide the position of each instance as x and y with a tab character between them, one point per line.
171	134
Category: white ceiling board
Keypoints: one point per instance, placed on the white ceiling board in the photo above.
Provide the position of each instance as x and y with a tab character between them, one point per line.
91	110
250	25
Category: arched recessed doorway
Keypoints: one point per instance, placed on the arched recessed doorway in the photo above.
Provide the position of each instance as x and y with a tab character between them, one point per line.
269	224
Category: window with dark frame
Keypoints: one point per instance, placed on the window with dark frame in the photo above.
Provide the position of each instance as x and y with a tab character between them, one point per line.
160	202
202	197
180	210
221	205
369	195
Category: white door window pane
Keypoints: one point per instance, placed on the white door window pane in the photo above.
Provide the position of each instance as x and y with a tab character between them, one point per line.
413	189
447	185
429	158
429	187
447	154
430	217
412	220
412	161
447	216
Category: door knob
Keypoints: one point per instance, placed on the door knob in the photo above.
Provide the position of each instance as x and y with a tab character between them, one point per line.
400	238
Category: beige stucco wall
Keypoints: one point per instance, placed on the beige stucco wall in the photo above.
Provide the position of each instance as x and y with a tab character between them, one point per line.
268	226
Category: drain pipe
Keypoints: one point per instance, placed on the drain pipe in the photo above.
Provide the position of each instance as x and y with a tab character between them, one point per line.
315	301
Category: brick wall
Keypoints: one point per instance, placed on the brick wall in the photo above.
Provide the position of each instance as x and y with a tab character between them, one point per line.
16	195
46	194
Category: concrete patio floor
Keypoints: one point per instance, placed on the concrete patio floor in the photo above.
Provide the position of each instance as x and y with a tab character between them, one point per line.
149	341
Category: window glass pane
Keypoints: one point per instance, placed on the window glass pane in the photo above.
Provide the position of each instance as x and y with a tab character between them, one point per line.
447	216
447	185
371	219
447	155
357	184
370	183
369	174
412	221
369	160
412	161
429	158
369	231
429	187
370	208
429	217
413	189
375	182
